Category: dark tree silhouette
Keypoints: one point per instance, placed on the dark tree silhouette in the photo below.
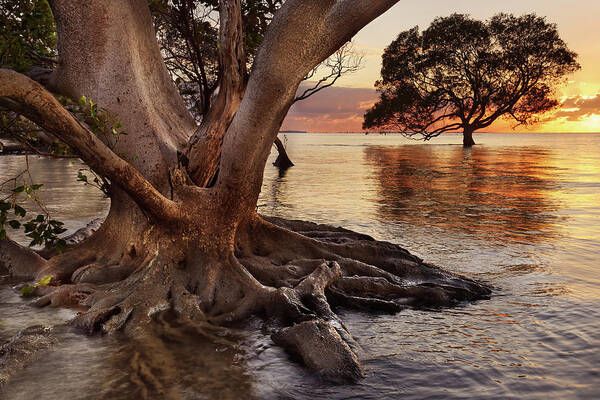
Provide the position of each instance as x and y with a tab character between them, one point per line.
464	74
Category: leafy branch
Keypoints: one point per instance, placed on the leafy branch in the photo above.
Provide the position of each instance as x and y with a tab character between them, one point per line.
42	229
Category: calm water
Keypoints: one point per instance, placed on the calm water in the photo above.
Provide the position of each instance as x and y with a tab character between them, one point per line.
519	211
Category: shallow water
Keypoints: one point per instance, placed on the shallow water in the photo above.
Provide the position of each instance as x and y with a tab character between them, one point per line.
521	211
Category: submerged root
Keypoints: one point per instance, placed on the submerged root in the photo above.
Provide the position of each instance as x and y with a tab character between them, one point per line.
311	267
322	349
19	261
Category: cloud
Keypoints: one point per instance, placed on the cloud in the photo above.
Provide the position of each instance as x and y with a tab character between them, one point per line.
578	108
341	109
335	109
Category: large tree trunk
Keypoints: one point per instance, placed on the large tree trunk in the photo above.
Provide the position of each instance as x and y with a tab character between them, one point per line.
172	244
468	138
108	52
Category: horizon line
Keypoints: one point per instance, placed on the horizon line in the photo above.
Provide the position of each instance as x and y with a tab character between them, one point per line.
445	133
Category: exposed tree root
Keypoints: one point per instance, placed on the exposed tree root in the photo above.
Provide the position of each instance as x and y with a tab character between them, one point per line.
290	271
19	261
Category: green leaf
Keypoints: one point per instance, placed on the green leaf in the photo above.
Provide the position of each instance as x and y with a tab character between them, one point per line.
29	227
58	230
19	189
14	224
60	245
26	290
45	281
81	177
20	211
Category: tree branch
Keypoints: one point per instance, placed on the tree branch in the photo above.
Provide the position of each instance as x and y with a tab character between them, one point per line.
301	35
204	149
36	103
349	16
345	60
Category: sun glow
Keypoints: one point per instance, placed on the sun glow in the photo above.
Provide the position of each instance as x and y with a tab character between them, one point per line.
590	123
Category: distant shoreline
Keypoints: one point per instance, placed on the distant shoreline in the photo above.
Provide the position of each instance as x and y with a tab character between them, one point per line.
451	133
295	132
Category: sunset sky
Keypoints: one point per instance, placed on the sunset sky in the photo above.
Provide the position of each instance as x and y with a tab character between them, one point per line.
340	108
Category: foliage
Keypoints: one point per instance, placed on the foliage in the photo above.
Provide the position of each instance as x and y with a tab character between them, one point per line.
461	73
27	40
42	229
100	121
27	35
188	35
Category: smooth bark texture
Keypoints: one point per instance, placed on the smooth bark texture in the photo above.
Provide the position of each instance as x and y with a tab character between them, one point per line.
182	235
108	52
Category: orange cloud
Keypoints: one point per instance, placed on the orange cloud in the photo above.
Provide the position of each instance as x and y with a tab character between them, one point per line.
341	109
579	108
335	109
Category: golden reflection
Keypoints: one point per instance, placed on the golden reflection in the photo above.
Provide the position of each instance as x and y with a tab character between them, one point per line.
501	193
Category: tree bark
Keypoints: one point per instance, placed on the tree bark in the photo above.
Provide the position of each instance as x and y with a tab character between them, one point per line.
468	138
109	53
203	152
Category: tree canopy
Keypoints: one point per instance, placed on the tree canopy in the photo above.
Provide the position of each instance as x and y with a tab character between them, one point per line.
461	74
28	34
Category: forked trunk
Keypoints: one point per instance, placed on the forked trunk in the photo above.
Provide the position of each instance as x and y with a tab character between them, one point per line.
172	243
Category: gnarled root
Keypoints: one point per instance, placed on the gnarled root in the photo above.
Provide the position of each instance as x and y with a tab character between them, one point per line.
318	336
291	271
312	266
321	349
